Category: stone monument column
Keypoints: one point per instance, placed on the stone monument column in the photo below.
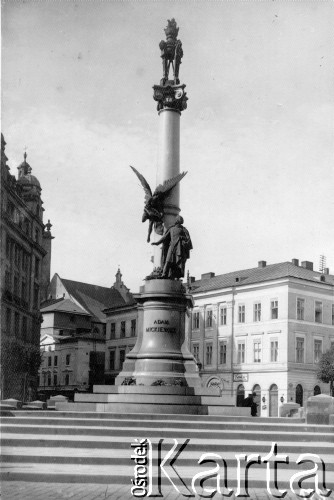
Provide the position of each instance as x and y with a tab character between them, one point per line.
160	375
161	354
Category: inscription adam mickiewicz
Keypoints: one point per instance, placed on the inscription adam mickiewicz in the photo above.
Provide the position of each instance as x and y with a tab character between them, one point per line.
161	329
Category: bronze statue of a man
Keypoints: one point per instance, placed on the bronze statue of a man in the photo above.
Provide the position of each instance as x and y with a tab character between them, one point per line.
176	249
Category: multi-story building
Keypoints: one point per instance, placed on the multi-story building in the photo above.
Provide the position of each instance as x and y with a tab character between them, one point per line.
25	270
263	330
73	334
121	336
121	333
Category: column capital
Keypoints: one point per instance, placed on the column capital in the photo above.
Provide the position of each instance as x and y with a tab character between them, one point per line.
170	97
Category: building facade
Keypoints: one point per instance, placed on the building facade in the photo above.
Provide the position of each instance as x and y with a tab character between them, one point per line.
121	331
73	334
121	337
25	267
263	330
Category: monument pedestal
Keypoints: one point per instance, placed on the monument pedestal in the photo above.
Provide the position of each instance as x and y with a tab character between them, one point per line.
161	356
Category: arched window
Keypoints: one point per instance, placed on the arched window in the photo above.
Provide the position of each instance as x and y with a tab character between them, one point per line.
273	401
240	394
316	390
299	394
257	398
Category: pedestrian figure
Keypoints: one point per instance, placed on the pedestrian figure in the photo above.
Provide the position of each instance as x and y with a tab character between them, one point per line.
250	403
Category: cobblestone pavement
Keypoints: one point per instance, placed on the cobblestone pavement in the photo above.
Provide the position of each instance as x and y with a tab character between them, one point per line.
21	490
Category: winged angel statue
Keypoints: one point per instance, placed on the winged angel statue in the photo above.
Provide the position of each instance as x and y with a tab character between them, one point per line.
154	203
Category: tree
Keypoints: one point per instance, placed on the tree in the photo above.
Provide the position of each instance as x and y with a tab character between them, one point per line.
326	369
19	361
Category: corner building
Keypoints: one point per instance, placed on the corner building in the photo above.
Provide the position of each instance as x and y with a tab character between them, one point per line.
263	330
25	272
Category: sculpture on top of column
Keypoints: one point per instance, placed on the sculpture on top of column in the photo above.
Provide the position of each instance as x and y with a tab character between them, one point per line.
154	203
170	93
171	52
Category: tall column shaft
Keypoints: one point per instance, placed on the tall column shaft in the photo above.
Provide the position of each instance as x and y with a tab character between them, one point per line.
168	166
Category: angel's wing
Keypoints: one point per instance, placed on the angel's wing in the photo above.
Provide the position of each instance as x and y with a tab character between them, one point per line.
169	184
144	183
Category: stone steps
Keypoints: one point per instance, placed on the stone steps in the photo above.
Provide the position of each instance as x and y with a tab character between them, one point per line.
52	418
157	417
175	432
48	446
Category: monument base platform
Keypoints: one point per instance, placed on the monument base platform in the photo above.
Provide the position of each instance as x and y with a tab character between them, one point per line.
154	400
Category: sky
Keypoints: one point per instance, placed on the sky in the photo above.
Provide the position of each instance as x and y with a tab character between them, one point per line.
256	139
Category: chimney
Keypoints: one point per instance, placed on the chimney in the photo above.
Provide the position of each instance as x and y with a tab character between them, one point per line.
207	276
295	262
262	263
326	270
307	265
192	279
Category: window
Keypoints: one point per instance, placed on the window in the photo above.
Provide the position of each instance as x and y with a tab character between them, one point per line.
222	353
49	378
274	309
241	352
36	290
49	361
112	330
55	380
67	379
223	315
112	360
300	309
195	320
318	312
8	248
299	350
68	359
24	327
332	314
121	358
196	352
317	350
7	279
257	351
61	332
16	285
122	328
257	311
8	320
17	324
37	268
24	289
274	351
209	354
55	362
241	313
133	327
209	318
